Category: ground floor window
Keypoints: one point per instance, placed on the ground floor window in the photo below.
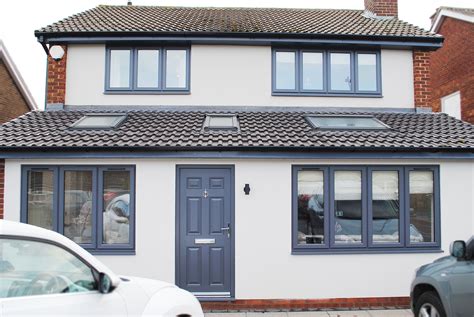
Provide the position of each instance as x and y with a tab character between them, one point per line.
91	205
365	209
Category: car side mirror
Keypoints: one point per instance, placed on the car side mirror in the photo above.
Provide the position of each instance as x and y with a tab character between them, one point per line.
105	283
458	249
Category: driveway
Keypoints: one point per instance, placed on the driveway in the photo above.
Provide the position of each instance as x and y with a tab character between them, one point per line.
356	313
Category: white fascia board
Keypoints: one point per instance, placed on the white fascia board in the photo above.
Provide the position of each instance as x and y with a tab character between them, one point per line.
449	13
15	73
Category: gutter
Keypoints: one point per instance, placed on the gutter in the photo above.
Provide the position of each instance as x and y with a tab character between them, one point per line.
238	38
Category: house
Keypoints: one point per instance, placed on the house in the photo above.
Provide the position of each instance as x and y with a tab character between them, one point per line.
260	158
15	98
452	66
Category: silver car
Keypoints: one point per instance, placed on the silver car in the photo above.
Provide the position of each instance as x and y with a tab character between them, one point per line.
445	287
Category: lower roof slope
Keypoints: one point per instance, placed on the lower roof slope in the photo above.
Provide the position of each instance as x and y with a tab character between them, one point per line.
259	130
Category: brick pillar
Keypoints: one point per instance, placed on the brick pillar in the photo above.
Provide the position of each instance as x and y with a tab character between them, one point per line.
2	186
57	79
386	8
422	78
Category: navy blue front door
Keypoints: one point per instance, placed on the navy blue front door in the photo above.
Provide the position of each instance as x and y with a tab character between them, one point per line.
205	231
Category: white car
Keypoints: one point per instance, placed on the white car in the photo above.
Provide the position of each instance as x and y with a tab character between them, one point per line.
43	272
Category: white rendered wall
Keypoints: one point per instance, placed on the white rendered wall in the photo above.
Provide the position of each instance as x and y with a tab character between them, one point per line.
230	76
264	265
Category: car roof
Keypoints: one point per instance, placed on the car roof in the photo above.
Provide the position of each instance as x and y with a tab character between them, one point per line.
17	229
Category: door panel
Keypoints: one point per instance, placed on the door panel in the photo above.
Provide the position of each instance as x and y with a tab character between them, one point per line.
204	245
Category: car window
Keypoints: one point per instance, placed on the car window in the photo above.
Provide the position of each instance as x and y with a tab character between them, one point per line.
39	268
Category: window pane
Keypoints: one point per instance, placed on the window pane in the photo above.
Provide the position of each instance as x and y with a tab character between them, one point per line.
385	207
340	71
367	72
116	213
78	206
348	206
40	198
311	207
148	68
421	206
285	70
176	69
313	71
221	121
37	268
119	69
98	121
347	122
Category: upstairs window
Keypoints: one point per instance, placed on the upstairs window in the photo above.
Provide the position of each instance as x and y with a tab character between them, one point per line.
147	70
325	72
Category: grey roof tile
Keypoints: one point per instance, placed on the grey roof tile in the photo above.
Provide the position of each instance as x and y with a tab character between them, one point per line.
195	20
168	130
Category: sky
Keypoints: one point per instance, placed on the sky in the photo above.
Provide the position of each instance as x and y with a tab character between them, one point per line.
19	19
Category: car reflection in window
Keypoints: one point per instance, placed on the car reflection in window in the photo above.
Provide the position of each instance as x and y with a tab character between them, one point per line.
348	223
117	220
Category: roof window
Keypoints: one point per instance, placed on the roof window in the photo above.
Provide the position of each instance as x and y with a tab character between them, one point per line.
99	121
221	122
346	122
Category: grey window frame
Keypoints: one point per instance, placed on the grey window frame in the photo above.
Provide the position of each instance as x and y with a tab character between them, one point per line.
274	70
436	205
123	117
384	126
96	247
107	69
133	88
294	236
367	246
235	123
327	92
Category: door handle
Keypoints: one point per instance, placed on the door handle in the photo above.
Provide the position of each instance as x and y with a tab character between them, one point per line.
226	229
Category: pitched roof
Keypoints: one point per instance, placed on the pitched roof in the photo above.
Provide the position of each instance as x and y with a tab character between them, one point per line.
133	20
277	130
464	14
15	73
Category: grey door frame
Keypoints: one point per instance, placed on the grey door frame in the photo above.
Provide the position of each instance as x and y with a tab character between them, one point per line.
179	168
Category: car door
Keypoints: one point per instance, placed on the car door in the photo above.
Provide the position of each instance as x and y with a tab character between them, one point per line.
461	281
38	277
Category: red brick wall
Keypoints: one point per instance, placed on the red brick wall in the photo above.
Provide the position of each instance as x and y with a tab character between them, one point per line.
12	103
382	7
57	79
421	78
307	304
2	185
452	66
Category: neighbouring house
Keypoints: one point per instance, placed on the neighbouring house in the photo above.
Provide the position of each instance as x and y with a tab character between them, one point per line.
15	98
452	66
260	158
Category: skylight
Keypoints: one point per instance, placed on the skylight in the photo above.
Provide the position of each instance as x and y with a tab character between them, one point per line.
221	122
348	122
99	121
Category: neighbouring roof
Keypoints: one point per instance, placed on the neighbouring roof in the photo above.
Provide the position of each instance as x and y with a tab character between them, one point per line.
464	14
161	130
134	20
15	73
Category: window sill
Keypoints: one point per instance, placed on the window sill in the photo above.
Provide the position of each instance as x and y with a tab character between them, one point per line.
147	92
365	251
111	252
310	94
